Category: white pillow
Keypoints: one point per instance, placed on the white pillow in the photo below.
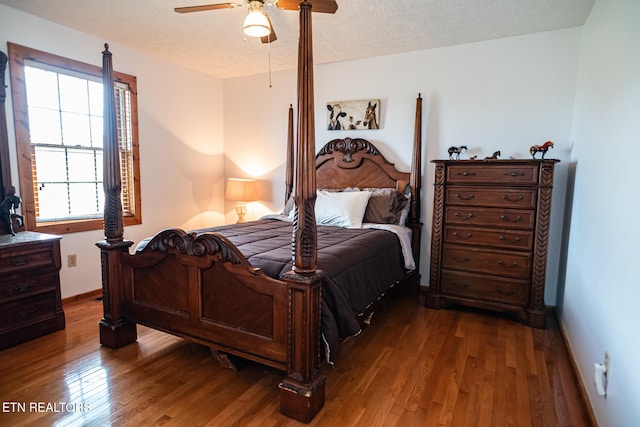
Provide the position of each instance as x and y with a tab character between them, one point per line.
342	209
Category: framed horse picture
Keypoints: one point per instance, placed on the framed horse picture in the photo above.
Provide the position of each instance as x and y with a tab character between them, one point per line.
353	115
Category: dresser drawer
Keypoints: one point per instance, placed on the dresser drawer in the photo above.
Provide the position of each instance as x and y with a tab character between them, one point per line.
524	198
27	259
511	218
24	286
487	288
497	263
507	174
510	239
27	310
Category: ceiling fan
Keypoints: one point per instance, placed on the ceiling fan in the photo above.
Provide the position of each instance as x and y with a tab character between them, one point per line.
257	22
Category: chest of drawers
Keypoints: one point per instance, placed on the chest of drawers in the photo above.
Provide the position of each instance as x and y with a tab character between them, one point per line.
489	236
30	304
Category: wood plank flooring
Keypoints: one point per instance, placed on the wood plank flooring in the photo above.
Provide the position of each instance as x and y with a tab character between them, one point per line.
412	367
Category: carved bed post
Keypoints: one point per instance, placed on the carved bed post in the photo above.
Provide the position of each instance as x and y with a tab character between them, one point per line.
290	155
302	391
416	184
115	331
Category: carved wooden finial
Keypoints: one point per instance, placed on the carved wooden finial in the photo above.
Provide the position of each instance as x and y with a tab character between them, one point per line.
305	250
113	219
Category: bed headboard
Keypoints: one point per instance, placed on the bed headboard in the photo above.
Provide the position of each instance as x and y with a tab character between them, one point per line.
348	162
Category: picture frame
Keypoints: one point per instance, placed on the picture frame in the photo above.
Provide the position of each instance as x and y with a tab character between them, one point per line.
353	115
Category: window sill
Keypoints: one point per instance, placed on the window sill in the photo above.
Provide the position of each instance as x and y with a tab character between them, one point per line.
64	227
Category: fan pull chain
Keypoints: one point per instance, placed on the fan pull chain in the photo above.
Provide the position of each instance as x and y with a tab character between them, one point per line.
269	50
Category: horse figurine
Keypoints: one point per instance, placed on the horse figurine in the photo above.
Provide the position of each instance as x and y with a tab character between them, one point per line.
7	212
540	149
494	156
456	150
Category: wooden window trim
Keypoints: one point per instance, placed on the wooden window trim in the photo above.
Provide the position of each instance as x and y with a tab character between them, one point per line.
17	56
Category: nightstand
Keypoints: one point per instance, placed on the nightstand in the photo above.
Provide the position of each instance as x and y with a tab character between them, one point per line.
30	303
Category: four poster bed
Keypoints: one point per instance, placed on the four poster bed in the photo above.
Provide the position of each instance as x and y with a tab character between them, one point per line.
277	291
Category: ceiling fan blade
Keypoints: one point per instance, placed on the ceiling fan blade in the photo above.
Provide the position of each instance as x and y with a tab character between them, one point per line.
271	37
324	6
189	9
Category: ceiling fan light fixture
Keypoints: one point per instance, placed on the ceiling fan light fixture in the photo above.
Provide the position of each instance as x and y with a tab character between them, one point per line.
256	23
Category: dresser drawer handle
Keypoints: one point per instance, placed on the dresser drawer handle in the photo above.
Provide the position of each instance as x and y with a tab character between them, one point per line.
469	197
508	293
465	173
514	265
24	314
22	288
461	259
514	240
19	260
509	199
467	216
514	174
459	285
518	218
468	236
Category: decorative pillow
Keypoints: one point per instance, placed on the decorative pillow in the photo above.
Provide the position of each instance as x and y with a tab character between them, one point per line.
288	207
385	206
405	211
291	203
343	209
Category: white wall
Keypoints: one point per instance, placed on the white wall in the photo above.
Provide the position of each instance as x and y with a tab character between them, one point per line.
180	130
600	309
255	135
505	95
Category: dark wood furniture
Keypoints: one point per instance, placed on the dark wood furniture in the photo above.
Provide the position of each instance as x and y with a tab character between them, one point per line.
490	234
5	169
30	303
198	274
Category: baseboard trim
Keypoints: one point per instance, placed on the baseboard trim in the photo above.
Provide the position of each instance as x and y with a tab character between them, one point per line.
97	293
574	368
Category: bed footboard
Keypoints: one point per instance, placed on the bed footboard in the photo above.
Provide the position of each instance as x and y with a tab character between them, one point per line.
200	287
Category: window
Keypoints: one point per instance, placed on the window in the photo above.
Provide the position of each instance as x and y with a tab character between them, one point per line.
58	107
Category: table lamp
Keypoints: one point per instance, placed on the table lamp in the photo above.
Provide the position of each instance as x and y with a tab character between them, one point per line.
241	191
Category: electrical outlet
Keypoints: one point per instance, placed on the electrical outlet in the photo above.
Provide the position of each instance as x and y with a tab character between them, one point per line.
72	260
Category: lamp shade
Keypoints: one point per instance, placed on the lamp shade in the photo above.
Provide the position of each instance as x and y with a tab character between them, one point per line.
241	190
256	24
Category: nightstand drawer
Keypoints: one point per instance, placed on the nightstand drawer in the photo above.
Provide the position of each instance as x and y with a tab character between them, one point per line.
513	198
27	310
497	263
510	239
24	286
513	218
27	259
513	174
488	288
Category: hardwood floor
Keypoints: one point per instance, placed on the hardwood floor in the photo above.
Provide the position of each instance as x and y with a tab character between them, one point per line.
413	366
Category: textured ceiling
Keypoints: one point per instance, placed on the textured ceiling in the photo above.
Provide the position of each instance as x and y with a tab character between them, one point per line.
212	41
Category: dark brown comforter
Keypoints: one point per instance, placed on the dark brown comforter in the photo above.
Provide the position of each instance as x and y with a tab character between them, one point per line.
360	266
